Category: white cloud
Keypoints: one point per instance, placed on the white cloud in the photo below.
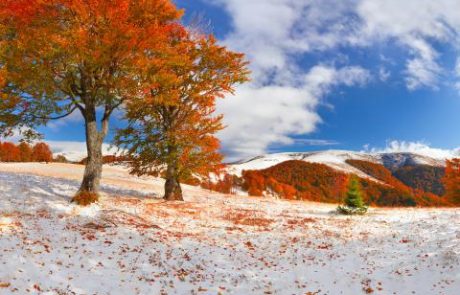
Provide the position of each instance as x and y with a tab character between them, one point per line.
422	70
457	74
457	68
283	97
384	74
259	116
316	142
75	117
413	23
417	147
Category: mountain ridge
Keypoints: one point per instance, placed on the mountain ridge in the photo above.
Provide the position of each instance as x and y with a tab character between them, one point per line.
337	159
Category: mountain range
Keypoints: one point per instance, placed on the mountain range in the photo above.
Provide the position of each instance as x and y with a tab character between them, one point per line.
388	179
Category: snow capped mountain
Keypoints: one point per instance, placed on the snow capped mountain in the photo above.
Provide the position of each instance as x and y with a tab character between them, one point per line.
337	159
397	160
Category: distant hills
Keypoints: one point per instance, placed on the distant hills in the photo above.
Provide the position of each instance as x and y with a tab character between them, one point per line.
388	179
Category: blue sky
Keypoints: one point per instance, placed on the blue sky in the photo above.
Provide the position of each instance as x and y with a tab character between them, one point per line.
349	74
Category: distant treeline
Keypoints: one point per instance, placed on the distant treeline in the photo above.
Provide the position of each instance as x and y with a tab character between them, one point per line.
24	152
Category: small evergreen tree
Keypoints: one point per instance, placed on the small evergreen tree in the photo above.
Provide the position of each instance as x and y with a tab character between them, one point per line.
353	201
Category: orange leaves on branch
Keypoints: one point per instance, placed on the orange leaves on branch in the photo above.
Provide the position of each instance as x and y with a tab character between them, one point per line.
65	55
174	126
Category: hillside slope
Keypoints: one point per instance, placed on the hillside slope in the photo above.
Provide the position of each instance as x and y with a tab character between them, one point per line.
407	173
318	182
337	159
131	243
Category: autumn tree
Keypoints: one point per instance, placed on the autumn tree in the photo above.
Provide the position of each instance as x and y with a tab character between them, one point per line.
9	152
41	152
25	152
451	181
171	131
62	56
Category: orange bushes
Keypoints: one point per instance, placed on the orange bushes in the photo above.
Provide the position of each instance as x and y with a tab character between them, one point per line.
40	152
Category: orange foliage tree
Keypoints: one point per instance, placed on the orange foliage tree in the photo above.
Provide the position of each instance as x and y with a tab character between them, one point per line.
9	152
171	131
451	181
62	56
25	151
41	152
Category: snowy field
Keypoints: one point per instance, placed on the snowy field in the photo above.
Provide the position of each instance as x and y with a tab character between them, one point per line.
132	243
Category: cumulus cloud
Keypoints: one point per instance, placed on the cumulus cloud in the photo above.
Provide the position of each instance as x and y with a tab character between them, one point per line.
457	74
75	117
283	98
384	74
316	142
413	23
259	116
417	147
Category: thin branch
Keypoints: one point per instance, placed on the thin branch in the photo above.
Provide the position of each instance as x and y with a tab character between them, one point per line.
56	118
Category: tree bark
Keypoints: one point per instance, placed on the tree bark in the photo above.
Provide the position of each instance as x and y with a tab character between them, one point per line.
173	190
94	140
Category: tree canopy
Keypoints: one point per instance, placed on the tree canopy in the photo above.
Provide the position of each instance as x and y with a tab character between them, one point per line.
171	130
62	56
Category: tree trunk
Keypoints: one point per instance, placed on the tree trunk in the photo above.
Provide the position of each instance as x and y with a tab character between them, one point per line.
173	191
93	168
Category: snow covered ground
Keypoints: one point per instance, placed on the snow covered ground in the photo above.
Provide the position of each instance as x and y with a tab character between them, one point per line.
132	243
